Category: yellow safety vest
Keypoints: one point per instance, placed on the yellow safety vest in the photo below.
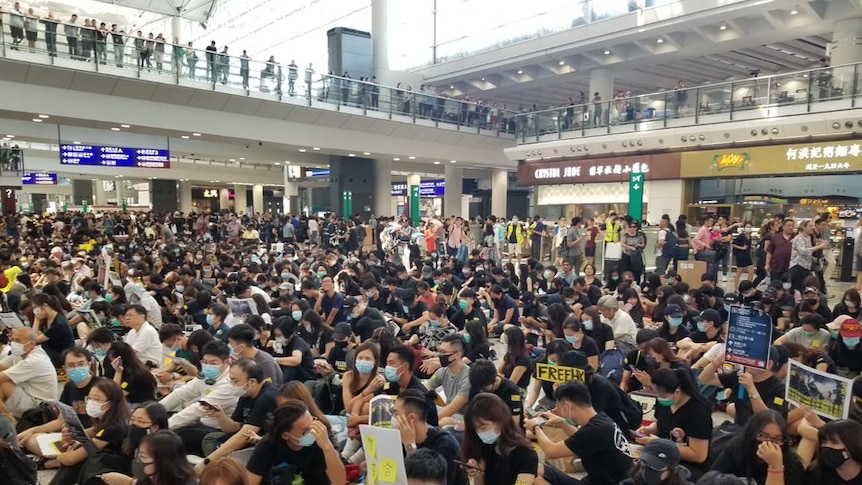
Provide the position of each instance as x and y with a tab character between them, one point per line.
612	231
519	234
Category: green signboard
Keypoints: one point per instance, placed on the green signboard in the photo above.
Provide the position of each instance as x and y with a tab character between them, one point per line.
636	196
414	204
347	203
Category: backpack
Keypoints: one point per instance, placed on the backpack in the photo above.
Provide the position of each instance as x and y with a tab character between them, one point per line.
631	410
611	365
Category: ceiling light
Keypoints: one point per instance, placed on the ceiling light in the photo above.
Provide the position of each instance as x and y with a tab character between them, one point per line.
520	71
366	153
241	158
316	149
196	134
722	27
562	63
396	159
233	159
607	52
278	163
302	150
436	163
351	154
37	120
125	126
117	129
184	137
794	12
641	30
411	157
218	181
483	79
13	136
453	161
660	40
287	162
44	117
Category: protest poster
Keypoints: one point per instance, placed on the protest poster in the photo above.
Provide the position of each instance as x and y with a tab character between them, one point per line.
381	409
383	455
749	336
72	422
10	321
826	394
558	374
242	307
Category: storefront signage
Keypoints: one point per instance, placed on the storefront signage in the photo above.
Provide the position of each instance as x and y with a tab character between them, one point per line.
774	160
39	178
324	172
814	201
428	188
100	156
211	193
618	169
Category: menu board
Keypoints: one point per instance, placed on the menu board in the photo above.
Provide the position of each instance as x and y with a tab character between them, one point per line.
93	155
749	337
32	178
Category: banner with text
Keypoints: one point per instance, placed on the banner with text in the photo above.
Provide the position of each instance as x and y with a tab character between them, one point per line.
805	158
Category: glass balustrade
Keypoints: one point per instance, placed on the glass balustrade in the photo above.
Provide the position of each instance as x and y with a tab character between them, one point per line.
158	61
814	91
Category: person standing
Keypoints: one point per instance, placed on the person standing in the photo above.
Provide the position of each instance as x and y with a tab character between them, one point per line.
178	54
16	25
160	52
31	26
149	47
119	47
515	238
597	110
88	39
802	255
537	232
292	76
224	65
139	49
779	250
51	34
102	43
71	32
244	68
665	246
211	53
191	60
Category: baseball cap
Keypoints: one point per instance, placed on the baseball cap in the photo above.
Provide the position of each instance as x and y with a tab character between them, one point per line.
350	302
711	315
745	285
674	311
731	298
850	329
776	357
286	286
660	454
811	289
835	325
528	300
341	332
770	293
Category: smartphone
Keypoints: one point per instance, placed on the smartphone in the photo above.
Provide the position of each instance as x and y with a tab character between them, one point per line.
530	412
464	465
638	434
633	368
540	421
207	405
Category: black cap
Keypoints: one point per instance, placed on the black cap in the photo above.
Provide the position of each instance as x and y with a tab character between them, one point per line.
731	298
349	303
575	359
341	332
674	311
528	300
660	454
711	315
745	285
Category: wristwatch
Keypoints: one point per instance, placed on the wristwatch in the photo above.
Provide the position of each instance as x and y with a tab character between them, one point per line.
410	447
537	426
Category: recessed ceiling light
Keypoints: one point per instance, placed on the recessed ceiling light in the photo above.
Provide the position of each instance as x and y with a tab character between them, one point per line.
453	161
483	79
278	163
607	52
241	158
794	12
302	150
287	162
13	136
451	86
722	27
396	159
411	157
562	63
641	30
196	134
44	117
366	153
184	137
316	148
37	120
520	71
351	154
233	159
218	181
117	129
125	126
660	40
436	163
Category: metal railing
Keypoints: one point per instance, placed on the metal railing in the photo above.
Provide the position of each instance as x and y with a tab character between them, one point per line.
813	91
156	60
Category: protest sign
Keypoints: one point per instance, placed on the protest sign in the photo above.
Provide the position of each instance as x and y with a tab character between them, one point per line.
242	307
555	373
826	394
749	337
381	410
383	455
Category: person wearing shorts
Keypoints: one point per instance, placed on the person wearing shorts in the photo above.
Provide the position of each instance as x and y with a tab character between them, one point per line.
27	377
590	246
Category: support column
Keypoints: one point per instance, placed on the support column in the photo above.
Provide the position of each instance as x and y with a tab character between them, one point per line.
257	198
413	181
100	197
184	188
602	82
224	199
454	189
120	188
290	200
240	199
382	196
379	39
499	192
846	49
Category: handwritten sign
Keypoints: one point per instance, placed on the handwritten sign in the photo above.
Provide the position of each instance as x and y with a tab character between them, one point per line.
383	455
553	373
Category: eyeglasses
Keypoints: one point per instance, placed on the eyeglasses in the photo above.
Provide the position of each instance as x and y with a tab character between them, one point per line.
763	437
90	399
79	365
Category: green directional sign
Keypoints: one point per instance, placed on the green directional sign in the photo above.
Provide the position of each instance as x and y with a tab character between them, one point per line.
347	203
636	196
414	204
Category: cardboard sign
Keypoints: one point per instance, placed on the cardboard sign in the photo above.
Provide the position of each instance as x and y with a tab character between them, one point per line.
691	271
383	455
555	373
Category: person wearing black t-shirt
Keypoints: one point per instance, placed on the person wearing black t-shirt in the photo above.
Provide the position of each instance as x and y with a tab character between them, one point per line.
468	310
253	410
516	364
752	391
504	308
376	296
476	345
708	334
573	332
298	445
291	352
484	378
637	360
399	377
672	328
592	436
410	313
411	414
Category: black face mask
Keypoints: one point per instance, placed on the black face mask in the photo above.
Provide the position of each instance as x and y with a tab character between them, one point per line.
136	434
651	477
812	301
445	360
766	301
832	458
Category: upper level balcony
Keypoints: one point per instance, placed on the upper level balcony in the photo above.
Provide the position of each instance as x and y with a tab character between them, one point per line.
821	90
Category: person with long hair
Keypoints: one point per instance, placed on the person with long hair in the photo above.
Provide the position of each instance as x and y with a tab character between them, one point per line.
761	451
55	334
476	344
109	411
161	460
150	418
658	349
850	304
516	365
658	464
294	390
600	331
133	377
682	415
495	450
573	332
223	471
839	457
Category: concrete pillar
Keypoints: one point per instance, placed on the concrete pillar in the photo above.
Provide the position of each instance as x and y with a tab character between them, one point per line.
499	192
290	200
413	180
184	188
240	199
120	187
224	199
100	197
176	28
257	198
846	49
602	82
454	189
382	196
379	40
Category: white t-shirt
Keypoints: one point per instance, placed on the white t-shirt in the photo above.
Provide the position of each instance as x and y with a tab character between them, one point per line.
35	374
146	343
622	324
